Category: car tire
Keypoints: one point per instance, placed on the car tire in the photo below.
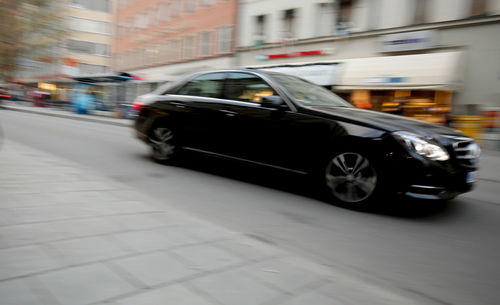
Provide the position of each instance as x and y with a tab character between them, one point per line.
351	179
163	144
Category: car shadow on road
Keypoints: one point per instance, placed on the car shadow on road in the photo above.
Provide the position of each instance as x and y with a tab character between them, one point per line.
427	210
303	185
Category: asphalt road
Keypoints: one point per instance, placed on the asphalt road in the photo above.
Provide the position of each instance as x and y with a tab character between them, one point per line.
442	253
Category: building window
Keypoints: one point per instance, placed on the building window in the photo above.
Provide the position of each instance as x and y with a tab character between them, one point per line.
478	8
176	50
117	62
324	19
177	8
120	30
93	5
157	54
124	62
191	6
92	69
420	8
167	51
91	26
289	20
164	12
224	39
139	58
146	56
208	2
375	10
260	30
123	3
140	21
344	17
86	47
128	26
152	17
205	44
164	52
188	47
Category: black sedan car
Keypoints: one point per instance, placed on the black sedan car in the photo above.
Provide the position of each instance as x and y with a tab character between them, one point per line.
284	122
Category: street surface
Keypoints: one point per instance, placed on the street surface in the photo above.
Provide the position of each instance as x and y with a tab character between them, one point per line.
446	253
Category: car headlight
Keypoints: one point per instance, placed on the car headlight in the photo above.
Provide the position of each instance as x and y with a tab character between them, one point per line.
422	146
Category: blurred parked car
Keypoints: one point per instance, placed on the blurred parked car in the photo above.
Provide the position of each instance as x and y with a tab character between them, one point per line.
4	95
281	121
40	98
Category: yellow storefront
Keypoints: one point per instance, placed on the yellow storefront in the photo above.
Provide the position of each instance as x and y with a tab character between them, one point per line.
419	86
428	105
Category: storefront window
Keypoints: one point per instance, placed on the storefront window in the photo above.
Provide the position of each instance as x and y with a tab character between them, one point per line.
427	105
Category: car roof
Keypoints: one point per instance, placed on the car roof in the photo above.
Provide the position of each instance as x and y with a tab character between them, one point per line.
229	70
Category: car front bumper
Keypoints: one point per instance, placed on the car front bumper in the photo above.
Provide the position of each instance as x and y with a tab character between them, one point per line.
432	192
441	184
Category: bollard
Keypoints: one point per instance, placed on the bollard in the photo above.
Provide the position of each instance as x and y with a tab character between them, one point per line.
470	125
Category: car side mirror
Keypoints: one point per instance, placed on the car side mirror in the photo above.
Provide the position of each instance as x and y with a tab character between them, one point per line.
273	101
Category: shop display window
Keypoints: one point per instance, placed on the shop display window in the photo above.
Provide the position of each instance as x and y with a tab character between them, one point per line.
427	105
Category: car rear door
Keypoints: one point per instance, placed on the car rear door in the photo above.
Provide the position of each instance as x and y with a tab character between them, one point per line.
199	101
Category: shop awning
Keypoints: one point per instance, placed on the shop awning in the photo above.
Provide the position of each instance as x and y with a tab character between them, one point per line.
105	78
433	71
323	74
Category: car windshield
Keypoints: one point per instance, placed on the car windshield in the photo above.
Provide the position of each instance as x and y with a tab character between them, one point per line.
308	93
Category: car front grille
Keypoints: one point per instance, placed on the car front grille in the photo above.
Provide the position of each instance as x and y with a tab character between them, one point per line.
466	151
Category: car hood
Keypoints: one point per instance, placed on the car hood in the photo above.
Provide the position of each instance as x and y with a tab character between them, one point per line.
383	121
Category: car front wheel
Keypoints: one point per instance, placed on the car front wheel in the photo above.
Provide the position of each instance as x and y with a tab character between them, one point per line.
162	143
351	179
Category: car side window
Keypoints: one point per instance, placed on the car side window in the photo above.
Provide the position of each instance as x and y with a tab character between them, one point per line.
206	85
246	87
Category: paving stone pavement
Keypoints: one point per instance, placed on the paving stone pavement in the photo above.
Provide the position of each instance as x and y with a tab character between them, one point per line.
69	236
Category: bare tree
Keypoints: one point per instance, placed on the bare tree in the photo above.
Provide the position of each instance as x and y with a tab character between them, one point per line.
29	29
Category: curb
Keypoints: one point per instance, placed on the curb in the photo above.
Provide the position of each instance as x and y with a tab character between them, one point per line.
69	116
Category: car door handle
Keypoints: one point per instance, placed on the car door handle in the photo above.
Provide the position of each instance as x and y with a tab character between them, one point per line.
178	105
229	112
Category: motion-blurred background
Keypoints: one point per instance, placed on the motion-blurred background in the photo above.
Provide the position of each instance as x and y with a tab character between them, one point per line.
431	60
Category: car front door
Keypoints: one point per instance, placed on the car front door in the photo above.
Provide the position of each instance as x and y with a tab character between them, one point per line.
278	136
255	132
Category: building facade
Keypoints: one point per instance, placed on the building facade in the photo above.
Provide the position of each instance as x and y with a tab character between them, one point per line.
159	40
419	58
90	36
83	48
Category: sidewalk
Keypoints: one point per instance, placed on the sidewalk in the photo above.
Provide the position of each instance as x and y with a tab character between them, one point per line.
70	236
96	116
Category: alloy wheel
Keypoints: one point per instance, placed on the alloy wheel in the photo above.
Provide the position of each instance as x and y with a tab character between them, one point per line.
350	177
161	143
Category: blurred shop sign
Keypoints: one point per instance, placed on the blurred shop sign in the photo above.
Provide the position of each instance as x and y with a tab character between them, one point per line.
29	64
70	70
409	41
386	80
294	54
